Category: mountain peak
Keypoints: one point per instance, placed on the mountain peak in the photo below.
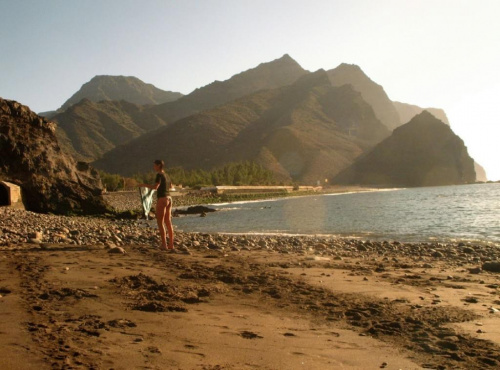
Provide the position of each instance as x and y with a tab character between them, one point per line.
129	88
372	92
423	118
318	78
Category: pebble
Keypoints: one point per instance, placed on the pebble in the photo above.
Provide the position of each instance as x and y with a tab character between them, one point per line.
117	250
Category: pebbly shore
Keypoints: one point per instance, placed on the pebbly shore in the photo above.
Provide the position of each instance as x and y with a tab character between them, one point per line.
19	227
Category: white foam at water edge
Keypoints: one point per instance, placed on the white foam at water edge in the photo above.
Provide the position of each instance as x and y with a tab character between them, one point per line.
247	201
364	191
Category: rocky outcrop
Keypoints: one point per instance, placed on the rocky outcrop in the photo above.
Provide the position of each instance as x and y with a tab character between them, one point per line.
30	157
118	88
423	152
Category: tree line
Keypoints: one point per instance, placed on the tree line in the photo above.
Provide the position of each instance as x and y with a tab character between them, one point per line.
237	174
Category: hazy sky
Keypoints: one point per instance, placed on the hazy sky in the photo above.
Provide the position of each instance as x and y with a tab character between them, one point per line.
432	53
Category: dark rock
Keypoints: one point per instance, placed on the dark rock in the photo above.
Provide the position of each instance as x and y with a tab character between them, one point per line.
491	266
475	270
30	157
201	210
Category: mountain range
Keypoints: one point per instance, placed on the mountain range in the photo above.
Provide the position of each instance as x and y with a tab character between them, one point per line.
303	132
303	126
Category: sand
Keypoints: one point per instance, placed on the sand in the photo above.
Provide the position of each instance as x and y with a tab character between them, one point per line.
69	306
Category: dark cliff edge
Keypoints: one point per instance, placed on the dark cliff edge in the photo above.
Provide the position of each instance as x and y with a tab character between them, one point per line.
30	157
423	152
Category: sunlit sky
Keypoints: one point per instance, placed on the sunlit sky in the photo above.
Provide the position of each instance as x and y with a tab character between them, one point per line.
439	53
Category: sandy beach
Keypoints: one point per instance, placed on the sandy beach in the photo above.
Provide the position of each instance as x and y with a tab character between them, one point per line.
79	292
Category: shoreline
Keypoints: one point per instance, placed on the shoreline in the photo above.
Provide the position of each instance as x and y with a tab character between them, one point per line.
207	198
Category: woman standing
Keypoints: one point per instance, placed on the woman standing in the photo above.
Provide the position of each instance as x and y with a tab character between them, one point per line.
163	205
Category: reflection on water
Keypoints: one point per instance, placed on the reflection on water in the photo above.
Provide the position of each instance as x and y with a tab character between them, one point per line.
467	212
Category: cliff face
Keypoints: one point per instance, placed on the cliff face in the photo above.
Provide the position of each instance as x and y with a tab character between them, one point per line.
126	88
423	152
31	158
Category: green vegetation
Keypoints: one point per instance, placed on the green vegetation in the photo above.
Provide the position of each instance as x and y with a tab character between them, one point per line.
237	174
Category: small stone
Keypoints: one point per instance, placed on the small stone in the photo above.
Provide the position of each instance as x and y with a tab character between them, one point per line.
475	270
118	250
262	243
36	235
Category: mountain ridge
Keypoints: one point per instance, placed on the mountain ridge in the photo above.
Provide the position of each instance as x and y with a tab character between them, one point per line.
88	129
279	72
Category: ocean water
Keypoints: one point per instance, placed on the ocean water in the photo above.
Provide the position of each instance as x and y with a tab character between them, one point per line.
445	213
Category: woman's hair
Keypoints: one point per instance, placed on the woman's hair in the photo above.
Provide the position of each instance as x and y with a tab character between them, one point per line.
160	163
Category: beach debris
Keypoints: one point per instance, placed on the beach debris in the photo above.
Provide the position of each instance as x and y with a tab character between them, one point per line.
249	335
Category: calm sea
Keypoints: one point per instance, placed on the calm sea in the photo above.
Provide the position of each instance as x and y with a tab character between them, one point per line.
466	213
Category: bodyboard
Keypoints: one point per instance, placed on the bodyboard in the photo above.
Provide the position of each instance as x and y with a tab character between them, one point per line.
146	200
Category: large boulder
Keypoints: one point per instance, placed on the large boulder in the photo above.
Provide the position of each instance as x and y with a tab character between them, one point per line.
30	157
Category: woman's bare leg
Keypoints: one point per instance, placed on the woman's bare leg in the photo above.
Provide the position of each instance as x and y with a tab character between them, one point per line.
161	211
168	223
